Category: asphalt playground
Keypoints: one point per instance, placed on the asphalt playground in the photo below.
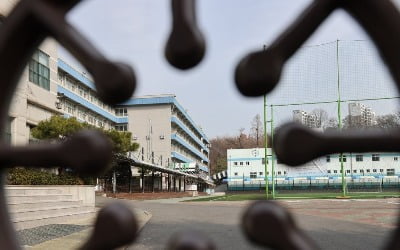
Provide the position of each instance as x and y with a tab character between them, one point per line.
332	224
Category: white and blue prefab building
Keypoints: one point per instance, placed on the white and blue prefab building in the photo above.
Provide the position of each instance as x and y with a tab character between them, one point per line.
246	168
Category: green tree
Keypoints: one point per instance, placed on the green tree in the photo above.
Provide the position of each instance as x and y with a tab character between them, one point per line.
59	128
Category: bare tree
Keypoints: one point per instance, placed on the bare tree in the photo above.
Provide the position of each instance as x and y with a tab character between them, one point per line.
257	129
388	121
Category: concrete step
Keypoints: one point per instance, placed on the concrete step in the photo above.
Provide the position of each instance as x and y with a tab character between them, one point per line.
18	206
65	219
35	198
34	214
32	191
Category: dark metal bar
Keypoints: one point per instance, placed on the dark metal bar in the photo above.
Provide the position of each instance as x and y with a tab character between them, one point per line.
152	181
142	176
169	184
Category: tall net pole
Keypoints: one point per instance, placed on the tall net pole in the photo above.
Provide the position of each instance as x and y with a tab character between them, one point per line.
265	146
272	153
340	118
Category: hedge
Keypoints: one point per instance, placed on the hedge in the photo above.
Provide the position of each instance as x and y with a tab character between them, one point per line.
27	176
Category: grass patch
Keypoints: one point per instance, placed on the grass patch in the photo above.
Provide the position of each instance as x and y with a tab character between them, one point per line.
287	196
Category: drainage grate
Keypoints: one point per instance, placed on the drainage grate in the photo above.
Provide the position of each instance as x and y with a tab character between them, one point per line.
33	236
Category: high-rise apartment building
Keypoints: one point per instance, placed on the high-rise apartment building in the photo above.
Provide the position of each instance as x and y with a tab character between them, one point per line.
306	119
361	116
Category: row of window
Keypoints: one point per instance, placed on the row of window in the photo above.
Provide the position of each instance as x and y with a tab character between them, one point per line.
185	152
241	163
359	158
121	112
190	128
361	171
189	140
261	174
355	171
88	117
83	92
121	127
187	124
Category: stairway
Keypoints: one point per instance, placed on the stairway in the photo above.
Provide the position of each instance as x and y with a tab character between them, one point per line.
32	206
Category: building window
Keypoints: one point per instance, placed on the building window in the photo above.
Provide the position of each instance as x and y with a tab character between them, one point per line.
328	158
241	163
121	112
263	161
335	171
390	171
69	108
329	171
260	174
284	172
235	163
355	171
361	170
279	172
359	157
69	84
368	171
348	171
381	170
374	170
39	71
375	157
396	158
80	90
236	174
343	158
121	127
247	163
253	175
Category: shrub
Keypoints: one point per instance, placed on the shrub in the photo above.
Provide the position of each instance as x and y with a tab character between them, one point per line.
28	176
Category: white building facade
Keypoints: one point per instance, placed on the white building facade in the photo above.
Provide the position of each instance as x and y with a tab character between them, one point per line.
36	94
247	166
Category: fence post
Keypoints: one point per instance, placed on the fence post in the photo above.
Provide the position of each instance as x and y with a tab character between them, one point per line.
243	183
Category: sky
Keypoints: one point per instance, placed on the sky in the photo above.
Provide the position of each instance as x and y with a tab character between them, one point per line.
135	32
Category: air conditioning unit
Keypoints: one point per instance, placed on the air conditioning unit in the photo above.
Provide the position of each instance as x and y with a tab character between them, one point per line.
162	137
135	137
